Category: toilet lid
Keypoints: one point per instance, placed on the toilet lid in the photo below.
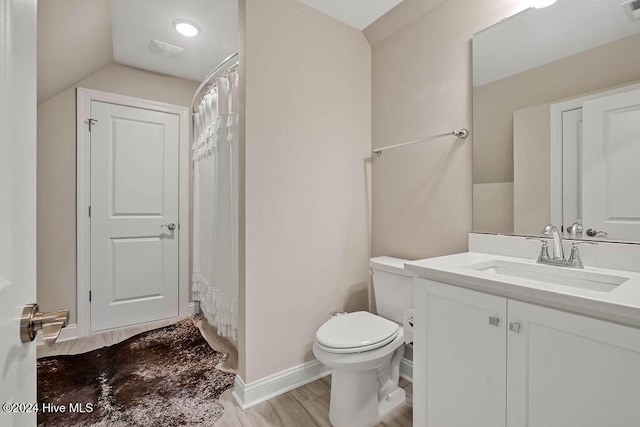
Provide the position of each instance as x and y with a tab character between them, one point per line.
355	330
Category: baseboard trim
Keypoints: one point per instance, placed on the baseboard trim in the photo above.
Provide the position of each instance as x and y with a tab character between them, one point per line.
248	395
406	369
68	333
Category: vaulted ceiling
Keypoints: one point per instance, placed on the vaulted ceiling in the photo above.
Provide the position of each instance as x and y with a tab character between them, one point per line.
78	37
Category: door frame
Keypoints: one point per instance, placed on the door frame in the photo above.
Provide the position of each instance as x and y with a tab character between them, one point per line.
83	187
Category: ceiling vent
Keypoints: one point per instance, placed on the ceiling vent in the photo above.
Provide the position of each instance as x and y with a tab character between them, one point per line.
633	9
165	49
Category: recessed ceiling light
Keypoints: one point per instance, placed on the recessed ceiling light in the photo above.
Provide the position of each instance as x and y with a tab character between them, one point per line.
186	28
539	4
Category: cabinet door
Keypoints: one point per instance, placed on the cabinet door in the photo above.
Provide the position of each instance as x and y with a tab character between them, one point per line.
463	379
566	370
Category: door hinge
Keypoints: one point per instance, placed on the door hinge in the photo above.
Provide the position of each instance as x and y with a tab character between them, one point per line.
89	211
89	296
91	122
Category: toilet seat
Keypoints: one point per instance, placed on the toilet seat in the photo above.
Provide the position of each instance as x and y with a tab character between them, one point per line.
356	332
357	349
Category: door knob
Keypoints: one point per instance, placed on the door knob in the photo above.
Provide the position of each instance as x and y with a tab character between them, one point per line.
50	324
171	226
594	233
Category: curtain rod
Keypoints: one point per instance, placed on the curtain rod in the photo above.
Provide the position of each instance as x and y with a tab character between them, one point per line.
462	133
212	73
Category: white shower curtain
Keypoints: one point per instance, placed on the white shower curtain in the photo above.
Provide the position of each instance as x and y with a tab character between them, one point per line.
215	206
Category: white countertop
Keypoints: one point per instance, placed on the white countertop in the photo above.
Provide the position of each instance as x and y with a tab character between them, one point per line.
621	305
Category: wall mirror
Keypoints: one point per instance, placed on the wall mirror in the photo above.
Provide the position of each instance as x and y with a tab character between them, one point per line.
556	121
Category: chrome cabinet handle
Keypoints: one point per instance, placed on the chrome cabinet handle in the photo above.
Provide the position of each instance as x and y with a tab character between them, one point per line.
170	226
50	324
514	327
494	321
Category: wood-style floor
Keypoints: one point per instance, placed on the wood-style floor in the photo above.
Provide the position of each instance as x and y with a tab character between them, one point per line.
305	406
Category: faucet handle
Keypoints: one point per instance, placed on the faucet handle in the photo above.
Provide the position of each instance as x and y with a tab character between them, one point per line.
574	259
544	249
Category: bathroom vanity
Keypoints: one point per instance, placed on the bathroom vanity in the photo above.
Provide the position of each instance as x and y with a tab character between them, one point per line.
504	341
501	340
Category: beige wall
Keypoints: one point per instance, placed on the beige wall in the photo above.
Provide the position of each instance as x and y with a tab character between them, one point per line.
307	139
57	173
60	37
614	64
421	86
498	216
531	171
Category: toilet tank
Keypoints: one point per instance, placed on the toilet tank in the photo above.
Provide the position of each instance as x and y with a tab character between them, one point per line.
392	287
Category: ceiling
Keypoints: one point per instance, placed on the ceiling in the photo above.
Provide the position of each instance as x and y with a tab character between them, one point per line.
136	23
78	37
356	13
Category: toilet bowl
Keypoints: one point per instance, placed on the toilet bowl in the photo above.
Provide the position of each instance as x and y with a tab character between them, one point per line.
364	350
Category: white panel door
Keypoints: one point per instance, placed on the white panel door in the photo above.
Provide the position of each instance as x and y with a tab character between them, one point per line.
17	206
566	370
611	155
134	203
461	336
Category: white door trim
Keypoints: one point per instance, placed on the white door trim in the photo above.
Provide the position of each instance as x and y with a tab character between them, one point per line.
83	187
556	110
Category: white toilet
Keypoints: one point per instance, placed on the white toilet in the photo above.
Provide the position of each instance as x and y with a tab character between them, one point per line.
365	350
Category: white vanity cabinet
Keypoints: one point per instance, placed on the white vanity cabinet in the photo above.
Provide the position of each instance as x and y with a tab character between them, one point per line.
459	357
567	370
483	360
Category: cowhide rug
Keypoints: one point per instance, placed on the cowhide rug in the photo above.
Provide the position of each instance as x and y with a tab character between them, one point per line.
160	378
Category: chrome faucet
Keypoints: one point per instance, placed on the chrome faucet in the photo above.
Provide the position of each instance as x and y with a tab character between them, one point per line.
575	230
557	252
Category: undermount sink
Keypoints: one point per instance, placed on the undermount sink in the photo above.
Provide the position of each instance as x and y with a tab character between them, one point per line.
549	274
